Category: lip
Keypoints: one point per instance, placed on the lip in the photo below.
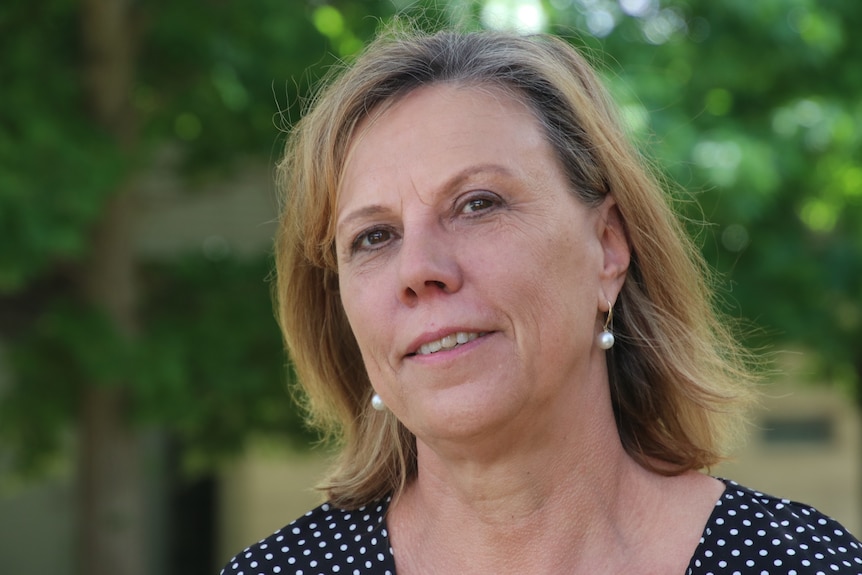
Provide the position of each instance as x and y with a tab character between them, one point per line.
428	337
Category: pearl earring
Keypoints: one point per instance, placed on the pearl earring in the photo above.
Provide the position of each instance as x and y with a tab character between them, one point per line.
606	338
377	402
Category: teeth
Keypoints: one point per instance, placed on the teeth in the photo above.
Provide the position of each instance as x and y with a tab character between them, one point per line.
432	347
447	342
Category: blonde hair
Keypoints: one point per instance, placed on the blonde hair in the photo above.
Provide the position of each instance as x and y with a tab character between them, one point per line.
677	376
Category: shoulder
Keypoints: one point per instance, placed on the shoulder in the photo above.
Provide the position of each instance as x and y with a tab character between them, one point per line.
749	530
324	540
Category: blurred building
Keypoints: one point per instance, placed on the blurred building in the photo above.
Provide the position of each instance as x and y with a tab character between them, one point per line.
804	445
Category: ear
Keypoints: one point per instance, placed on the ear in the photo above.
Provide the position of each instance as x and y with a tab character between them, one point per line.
616	250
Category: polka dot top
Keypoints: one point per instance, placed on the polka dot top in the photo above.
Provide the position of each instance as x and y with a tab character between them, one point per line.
748	533
753	533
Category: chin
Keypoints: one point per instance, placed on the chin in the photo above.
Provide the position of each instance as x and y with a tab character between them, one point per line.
468	419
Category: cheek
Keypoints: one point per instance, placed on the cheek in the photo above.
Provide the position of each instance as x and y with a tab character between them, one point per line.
356	307
363	304
568	272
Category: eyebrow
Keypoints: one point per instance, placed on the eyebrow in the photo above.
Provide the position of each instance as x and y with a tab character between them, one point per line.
361	213
465	174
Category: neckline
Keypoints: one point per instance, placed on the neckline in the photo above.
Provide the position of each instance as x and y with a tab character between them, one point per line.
709	522
387	501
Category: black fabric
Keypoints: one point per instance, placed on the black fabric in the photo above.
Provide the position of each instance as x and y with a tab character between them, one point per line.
748	533
753	533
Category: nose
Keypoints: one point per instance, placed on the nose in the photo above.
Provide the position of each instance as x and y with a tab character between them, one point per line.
428	263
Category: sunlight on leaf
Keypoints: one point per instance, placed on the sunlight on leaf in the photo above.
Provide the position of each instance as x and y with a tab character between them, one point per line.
808	113
349	44
328	21
660	28
718	101
229	87
523	16
639	8
852	181
820	31
635	117
819	215
601	23
720	158
735	238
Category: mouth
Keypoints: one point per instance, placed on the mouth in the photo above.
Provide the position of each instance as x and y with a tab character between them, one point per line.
447	342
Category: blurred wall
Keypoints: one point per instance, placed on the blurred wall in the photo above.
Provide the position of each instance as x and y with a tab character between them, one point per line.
36	528
229	217
804	445
262	491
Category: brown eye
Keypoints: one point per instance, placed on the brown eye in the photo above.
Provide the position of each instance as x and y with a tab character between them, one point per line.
372	239
477	204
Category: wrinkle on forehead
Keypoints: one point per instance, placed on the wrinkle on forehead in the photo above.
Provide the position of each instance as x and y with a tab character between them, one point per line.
498	91
363	126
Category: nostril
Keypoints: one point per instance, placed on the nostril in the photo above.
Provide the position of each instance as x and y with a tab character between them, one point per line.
413	294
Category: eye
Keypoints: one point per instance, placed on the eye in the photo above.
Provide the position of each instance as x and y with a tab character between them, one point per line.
372	239
481	203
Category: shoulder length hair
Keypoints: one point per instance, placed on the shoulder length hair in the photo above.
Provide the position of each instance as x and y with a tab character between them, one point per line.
677	375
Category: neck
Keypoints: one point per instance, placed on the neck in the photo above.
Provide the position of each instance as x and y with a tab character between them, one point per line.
587	522
554	493
518	474
521	487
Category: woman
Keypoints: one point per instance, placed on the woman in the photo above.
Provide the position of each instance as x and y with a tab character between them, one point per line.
491	306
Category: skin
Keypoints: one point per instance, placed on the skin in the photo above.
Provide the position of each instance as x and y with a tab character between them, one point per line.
455	216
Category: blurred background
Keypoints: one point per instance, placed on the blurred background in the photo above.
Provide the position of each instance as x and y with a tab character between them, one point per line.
146	425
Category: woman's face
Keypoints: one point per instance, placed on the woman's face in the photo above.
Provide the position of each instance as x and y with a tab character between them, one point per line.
473	279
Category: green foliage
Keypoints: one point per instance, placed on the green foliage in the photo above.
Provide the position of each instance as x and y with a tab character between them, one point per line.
211	366
753	107
66	348
216	80
207	366
56	168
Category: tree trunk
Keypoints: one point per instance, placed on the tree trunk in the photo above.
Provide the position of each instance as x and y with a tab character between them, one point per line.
111	519
111	516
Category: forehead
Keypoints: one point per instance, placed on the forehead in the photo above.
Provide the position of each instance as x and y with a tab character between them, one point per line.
439	127
441	99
